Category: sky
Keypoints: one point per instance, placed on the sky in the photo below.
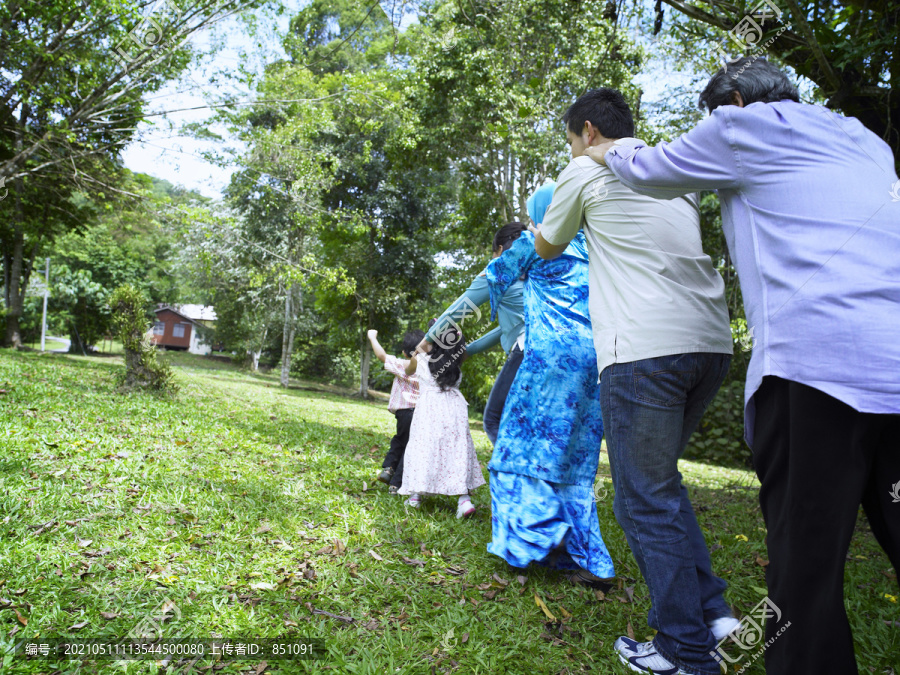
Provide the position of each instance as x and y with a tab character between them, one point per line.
164	152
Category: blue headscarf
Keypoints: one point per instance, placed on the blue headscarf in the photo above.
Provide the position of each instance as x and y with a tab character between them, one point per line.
539	202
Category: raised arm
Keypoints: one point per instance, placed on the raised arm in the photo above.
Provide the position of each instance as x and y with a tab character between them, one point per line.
380	354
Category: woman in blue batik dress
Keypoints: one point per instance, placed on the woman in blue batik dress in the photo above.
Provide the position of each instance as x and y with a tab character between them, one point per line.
545	459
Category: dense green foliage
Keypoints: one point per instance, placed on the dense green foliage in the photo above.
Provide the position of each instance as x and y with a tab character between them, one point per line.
848	49
254	510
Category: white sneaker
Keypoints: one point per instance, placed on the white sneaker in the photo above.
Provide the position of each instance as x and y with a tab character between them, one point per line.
642	657
413	501
465	509
723	626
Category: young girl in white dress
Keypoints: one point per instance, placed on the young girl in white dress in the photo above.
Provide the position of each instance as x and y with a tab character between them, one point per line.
440	456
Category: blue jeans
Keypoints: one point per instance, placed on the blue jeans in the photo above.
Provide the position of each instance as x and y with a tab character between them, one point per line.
493	411
650	409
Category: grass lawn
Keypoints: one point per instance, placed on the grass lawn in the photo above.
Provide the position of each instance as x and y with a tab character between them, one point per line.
240	509
50	344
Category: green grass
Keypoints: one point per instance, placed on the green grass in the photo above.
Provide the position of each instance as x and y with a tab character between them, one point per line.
49	344
226	500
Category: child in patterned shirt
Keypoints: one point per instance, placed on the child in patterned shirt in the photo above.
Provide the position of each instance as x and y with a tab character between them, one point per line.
404	394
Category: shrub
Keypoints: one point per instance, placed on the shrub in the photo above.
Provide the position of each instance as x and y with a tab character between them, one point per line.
143	368
719	438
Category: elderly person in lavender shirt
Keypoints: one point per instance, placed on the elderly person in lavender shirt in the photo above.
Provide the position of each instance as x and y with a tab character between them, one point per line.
814	233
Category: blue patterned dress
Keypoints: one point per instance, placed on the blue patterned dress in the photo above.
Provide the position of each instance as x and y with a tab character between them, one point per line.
545	459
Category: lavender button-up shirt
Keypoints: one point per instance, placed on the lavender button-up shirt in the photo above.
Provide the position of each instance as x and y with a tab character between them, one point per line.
811	213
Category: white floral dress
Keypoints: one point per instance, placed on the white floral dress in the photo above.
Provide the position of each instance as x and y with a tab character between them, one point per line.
440	456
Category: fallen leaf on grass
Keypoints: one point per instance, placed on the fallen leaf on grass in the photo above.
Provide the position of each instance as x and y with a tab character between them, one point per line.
375	555
46	526
629	591
345	619
339	547
762	562
262	586
521	579
413	561
84	543
109	615
325	550
22	620
630	631
78	626
544	609
263	529
500	580
566	613
261	667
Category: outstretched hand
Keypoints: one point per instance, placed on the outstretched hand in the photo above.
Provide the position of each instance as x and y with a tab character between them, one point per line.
598	152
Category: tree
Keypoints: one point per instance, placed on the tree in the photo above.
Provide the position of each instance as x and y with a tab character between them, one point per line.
115	246
72	81
385	204
278	193
849	49
491	80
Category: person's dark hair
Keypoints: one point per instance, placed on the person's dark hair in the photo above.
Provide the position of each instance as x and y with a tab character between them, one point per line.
411	340
445	358
606	109
754	78
506	235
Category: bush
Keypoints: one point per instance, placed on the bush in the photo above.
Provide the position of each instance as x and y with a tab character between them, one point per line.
720	436
143	368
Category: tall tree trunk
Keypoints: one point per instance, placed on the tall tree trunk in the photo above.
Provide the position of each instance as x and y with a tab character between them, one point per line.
254	353
365	362
16	277
287	339
18	272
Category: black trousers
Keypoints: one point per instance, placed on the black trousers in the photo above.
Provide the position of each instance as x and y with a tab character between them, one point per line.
394	457
818	459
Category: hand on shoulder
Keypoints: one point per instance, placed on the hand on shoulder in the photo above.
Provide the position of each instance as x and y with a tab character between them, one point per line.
598	152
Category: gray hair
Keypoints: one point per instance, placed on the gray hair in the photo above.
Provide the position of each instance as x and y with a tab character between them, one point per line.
754	78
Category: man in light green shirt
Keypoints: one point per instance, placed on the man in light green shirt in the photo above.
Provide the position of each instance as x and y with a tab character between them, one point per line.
663	342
